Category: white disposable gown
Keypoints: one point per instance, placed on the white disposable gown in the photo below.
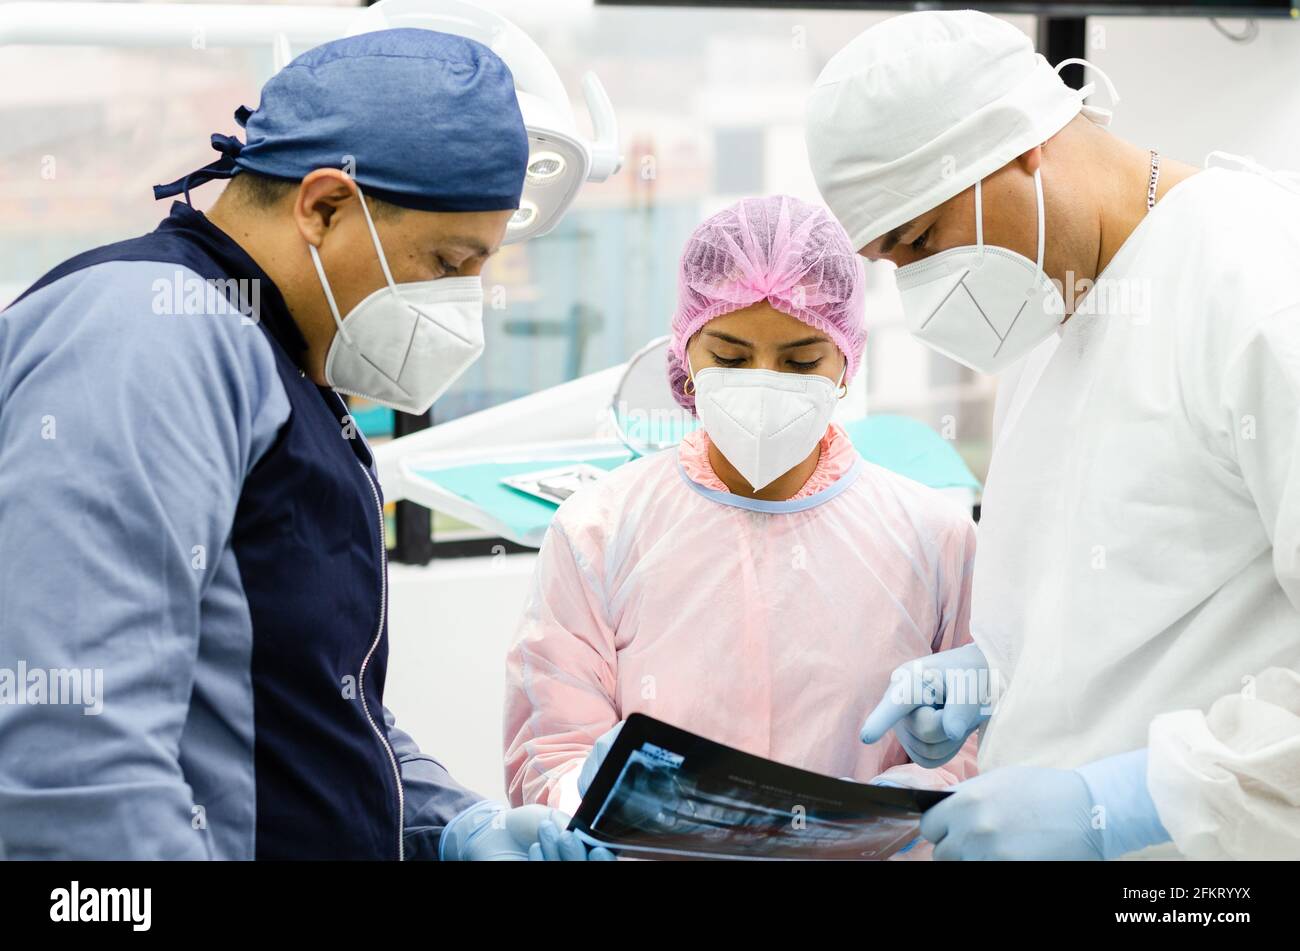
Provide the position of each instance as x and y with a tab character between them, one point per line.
1139	572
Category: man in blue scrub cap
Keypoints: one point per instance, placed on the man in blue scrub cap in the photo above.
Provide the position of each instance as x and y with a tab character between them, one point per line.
191	530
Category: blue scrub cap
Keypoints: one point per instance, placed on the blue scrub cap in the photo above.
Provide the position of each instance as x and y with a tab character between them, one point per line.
425	120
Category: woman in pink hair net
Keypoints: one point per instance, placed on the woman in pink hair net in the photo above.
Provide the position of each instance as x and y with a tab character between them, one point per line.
759	584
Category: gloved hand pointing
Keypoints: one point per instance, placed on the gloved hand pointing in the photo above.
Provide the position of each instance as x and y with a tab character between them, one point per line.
933	704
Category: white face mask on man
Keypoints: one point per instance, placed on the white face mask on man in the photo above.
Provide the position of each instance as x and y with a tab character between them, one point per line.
984	307
404	344
764	422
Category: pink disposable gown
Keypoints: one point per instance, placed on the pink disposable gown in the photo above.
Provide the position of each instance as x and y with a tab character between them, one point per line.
771	631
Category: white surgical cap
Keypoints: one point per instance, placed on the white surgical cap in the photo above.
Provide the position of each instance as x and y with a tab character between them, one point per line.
922	106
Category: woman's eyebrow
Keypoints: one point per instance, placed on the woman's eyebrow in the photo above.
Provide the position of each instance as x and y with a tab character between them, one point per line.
728	338
803	343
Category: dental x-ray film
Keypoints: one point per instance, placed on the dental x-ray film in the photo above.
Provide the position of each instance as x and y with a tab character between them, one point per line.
665	793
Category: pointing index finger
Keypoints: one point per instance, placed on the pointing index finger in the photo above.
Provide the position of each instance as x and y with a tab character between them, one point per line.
910	686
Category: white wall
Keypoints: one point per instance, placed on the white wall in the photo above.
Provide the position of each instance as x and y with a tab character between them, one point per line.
1185	89
450	625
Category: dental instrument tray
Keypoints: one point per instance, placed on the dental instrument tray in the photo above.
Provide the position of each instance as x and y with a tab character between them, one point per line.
555	485
662	792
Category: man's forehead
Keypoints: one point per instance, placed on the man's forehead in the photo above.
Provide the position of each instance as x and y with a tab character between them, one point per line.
478	233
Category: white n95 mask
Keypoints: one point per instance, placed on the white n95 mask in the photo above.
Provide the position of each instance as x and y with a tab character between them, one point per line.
982	306
404	344
764	422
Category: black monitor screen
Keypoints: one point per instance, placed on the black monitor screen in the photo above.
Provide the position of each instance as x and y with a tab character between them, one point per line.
1206	8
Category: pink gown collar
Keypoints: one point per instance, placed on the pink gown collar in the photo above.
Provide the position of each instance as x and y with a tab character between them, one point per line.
837	458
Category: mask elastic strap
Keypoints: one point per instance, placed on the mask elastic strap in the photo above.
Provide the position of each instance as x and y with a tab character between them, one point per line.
329	294
324	282
1101	116
979	221
1042	222
374	236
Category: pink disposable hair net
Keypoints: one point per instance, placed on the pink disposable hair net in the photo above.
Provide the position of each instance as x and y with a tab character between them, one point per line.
790	253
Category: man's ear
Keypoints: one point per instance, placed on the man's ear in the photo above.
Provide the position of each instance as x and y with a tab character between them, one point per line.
320	195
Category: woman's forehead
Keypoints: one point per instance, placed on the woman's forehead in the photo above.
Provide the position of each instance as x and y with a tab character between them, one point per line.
761	323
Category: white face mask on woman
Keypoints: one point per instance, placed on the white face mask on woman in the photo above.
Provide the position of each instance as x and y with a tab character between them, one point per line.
404	344
764	422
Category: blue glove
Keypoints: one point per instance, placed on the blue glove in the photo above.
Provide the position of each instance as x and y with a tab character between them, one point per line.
1127	813
552	845
1101	810
1018	812
930	725
591	765
490	832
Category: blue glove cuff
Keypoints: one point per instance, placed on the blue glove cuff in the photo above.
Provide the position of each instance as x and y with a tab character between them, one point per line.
464	828
1129	820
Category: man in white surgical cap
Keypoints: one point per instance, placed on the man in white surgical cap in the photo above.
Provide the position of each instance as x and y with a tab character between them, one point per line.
1137	590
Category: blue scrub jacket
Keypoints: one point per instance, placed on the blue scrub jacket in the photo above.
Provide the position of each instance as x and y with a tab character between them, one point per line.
187	517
